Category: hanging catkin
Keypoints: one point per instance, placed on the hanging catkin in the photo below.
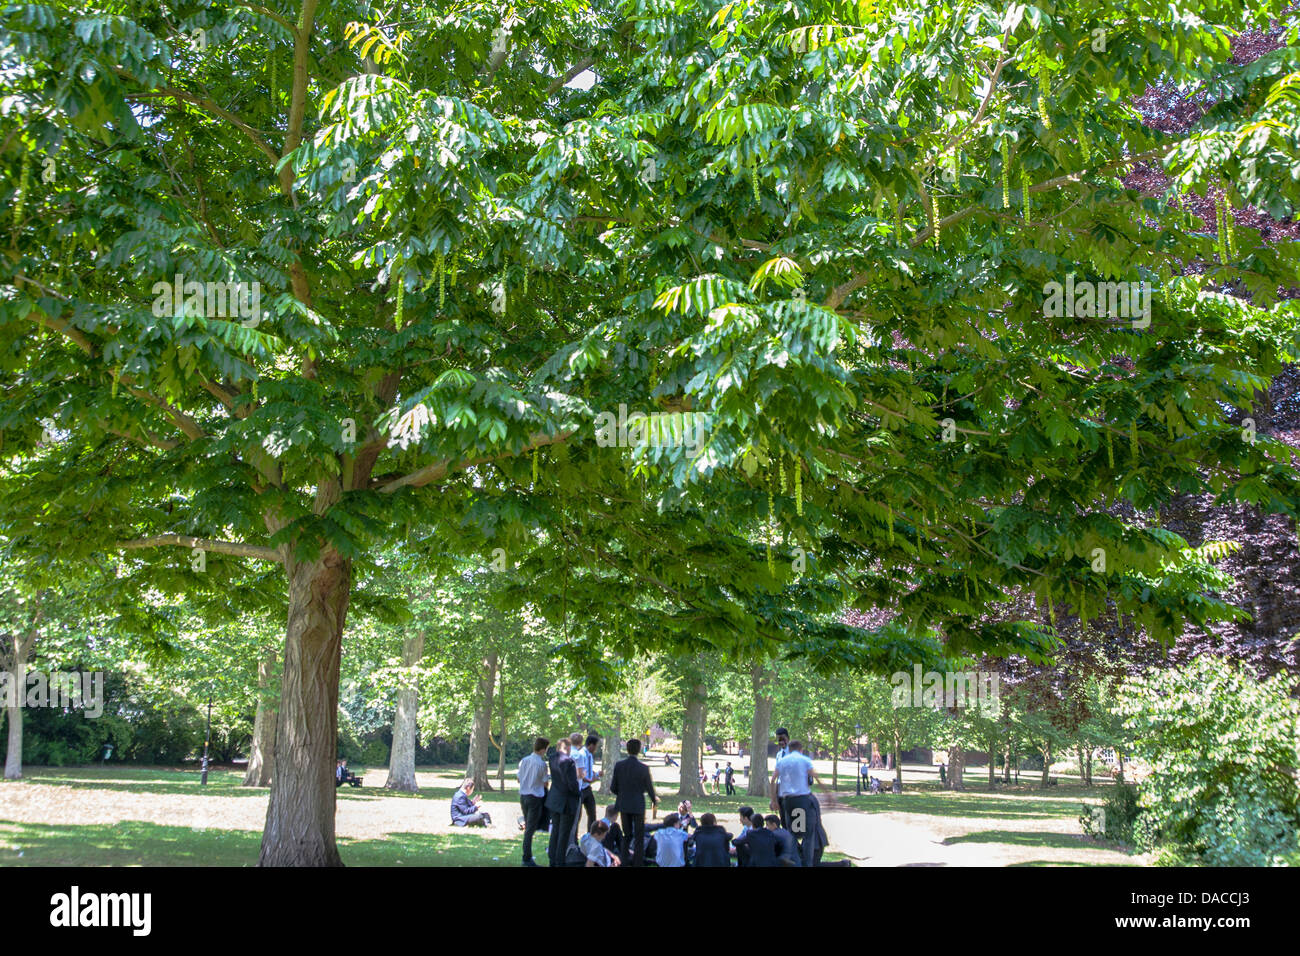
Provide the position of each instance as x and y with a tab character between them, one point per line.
798	488
401	291
934	217
891	524
24	181
1006	174
1228	224
534	466
1024	191
753	179
898	221
1084	145
1133	439
440	266
780	462
1110	451
1042	97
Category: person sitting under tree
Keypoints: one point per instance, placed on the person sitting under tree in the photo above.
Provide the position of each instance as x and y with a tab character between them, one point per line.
465	808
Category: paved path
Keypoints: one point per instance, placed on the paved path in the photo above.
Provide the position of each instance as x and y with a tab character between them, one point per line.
904	839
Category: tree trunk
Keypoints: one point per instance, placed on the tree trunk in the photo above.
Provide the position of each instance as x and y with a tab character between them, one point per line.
261	756
760	678
1119	756
956	766
993	759
693	739
1047	766
611	753
18	691
481	731
501	706
898	755
300	817
1087	769
406	734
1006	761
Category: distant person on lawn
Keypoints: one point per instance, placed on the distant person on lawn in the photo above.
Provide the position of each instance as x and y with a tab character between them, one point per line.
465	810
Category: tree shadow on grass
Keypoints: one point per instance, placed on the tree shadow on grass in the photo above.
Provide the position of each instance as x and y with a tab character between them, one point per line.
138	843
1023	838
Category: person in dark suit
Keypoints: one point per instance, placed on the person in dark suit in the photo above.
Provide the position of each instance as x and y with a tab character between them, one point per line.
630	784
788	852
712	843
614	839
759	846
562	801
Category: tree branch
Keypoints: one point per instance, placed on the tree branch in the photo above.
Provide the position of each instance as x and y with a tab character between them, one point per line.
236	548
567	77
440	469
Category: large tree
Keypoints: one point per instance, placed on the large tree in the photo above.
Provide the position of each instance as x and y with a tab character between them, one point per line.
824	230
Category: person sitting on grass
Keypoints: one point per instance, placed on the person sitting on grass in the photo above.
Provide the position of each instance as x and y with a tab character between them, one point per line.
684	814
787	849
614	840
343	775
712	843
593	846
465	810
671	841
758	846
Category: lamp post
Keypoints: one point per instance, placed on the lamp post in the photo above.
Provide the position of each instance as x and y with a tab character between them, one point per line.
857	746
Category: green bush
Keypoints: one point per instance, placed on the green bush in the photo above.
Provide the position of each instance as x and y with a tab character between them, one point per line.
1121	809
1222	748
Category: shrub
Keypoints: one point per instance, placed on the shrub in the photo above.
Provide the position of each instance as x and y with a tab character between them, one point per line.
1120	808
1222	750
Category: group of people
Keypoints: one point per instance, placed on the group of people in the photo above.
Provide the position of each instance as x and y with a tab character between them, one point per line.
556	791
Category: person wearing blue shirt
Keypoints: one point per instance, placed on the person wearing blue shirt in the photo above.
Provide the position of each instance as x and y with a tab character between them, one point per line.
671	840
584	761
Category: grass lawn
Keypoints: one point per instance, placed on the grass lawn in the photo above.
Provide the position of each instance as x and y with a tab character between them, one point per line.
152	816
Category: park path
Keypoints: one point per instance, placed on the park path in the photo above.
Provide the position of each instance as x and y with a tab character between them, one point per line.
905	839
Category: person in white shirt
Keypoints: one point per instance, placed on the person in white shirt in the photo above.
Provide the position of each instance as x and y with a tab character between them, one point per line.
592	845
792	792
533	776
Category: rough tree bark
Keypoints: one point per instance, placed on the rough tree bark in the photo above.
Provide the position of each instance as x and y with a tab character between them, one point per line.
401	759
17	654
481	731
261	756
1047	766
956	767
300	818
501	747
693	739
760	678
611	753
